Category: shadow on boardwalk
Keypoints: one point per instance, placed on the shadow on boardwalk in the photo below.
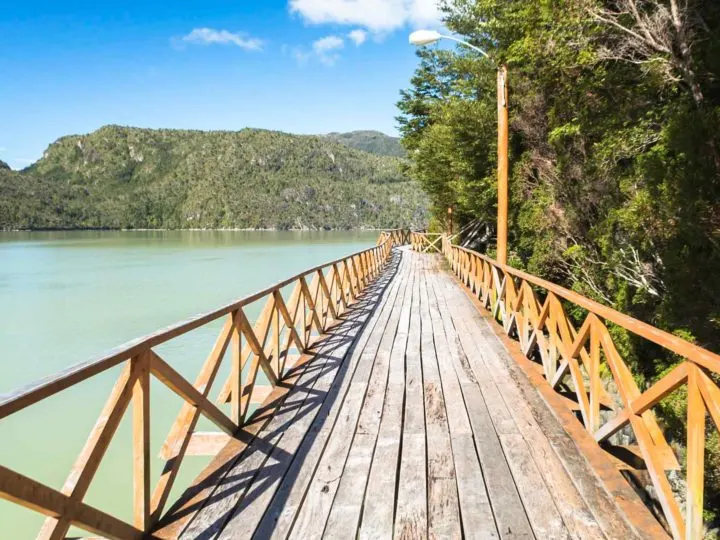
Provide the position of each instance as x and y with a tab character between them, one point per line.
231	491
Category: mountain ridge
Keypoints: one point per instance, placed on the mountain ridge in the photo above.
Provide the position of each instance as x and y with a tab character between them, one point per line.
375	142
120	177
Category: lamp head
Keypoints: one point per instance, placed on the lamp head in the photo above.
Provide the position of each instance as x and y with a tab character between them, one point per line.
424	37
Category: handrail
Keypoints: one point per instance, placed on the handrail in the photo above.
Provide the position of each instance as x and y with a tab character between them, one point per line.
285	324
426	242
399	237
574	357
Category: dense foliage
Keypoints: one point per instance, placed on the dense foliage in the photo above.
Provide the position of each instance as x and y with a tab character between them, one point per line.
615	154
374	142
121	177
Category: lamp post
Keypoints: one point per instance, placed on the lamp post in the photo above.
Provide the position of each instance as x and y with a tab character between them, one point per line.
427	37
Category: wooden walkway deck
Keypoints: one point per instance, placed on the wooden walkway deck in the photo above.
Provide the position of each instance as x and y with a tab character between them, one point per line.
410	420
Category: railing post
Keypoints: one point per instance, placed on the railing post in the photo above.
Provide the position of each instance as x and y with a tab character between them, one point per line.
695	456
235	371
141	441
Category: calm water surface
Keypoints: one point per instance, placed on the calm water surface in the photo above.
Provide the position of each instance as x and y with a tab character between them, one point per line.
67	297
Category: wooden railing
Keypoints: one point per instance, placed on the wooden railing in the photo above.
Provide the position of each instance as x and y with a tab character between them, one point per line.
426	242
284	326
400	237
531	310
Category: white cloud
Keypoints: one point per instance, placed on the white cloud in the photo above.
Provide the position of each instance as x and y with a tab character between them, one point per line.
329	43
325	49
210	36
378	16
358	36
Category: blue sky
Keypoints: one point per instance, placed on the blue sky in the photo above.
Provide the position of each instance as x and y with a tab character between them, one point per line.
303	66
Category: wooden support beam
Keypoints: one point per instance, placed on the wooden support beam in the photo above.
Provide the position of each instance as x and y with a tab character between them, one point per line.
29	493
695	456
141	441
175	382
88	462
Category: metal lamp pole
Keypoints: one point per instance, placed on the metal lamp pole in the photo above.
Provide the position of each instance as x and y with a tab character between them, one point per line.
426	37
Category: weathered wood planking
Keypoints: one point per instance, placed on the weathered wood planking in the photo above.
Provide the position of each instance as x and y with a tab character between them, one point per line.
279	517
411	513
348	503
563	466
406	419
379	500
541	317
477	517
265	462
443	505
423	432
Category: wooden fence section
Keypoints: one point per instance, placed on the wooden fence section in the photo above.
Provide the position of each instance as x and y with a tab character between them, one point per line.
531	310
286	328
426	242
399	237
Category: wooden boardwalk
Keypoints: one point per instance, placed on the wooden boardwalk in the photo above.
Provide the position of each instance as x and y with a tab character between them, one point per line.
410	420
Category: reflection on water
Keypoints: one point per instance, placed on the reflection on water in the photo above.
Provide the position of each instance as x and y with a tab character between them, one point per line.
67	296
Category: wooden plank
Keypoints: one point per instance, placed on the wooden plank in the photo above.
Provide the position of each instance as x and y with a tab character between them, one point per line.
507	506
695	456
313	514
281	438
411	511
539	504
567	473
711	396
207	443
279	517
443	505
141	443
476	512
236	368
347	505
379	502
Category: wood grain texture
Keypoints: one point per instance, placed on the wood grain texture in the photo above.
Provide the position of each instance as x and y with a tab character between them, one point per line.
535	313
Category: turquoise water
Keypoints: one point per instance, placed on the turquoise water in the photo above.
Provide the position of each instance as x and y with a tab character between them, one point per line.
66	297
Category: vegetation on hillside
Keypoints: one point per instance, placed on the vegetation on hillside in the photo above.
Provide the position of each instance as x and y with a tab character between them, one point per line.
374	142
615	155
120	177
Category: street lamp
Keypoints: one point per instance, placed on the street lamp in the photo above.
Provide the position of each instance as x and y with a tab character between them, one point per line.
427	37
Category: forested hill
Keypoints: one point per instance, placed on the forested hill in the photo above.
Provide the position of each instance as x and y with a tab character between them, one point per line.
119	177
370	141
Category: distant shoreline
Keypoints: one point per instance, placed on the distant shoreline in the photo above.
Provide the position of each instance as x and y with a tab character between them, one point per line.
102	229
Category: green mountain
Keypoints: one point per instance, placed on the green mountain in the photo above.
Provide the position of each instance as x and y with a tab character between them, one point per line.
120	177
370	141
